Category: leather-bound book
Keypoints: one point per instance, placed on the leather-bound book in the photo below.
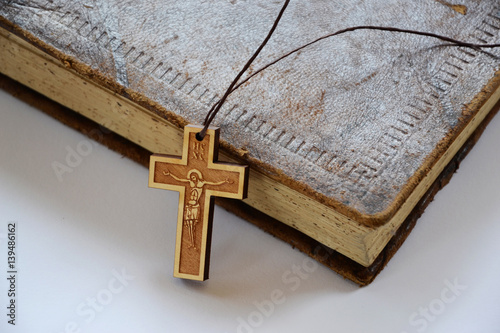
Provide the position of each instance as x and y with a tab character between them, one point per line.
347	140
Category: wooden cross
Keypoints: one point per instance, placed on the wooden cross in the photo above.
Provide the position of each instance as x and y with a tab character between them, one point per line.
199	178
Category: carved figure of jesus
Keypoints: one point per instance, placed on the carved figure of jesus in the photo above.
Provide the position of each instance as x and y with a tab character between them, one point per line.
192	209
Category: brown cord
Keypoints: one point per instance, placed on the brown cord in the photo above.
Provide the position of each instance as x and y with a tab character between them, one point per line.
213	112
217	106
428	34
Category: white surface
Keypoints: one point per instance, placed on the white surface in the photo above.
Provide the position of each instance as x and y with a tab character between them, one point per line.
74	235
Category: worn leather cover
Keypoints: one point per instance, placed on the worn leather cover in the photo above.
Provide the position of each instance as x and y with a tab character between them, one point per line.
354	121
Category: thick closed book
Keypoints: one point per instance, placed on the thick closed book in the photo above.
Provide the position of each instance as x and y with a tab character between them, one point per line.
347	140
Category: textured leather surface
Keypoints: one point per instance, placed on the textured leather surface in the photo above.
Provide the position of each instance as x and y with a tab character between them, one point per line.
353	117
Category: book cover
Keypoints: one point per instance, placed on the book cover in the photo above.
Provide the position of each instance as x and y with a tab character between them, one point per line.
344	138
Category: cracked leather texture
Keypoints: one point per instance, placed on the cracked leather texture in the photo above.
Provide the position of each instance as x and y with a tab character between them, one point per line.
354	118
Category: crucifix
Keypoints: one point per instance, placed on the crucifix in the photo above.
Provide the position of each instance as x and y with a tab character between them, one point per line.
198	178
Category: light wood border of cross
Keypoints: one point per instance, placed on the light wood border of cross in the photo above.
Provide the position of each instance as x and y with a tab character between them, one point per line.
213	164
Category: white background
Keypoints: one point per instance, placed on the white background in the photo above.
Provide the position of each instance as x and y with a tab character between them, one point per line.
74	236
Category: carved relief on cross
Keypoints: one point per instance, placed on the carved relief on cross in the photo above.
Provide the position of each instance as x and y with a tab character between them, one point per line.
198	178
